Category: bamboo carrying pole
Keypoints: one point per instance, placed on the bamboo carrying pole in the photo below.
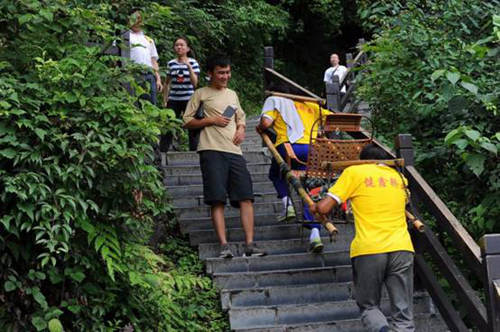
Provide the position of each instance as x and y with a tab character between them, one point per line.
343	164
419	226
294	97
332	230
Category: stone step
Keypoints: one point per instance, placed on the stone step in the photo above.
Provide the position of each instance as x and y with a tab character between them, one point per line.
276	247
195	169
205	223
275	262
204	211
197	200
271	232
283	295
281	277
197	189
424	322
191	157
191	179
262	316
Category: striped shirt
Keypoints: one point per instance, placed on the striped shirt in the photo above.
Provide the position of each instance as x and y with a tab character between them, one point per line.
181	87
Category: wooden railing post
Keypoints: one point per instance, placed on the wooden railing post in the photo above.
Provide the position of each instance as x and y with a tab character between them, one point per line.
269	57
404	149
333	94
490	251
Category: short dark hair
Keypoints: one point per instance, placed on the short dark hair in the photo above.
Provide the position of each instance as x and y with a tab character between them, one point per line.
372	151
217	60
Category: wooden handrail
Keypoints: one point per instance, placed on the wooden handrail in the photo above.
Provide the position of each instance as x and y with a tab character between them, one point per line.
447	220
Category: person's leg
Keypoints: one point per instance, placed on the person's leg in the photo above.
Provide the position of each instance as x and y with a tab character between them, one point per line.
247	219
217	213
152	91
166	140
215	171
369	274
240	192
399	283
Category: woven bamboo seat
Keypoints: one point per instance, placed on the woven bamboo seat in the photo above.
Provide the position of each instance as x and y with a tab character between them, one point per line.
323	150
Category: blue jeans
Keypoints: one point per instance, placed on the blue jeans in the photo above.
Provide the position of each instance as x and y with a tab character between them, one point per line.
279	182
150	80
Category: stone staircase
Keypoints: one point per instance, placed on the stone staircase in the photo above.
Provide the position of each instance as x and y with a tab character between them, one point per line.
289	289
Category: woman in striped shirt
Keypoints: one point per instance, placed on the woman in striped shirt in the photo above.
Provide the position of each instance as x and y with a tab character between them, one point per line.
182	79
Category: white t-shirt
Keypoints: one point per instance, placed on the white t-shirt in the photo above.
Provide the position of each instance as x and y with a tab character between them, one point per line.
142	49
340	72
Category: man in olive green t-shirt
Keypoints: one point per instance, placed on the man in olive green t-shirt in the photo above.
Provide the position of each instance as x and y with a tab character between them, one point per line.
222	165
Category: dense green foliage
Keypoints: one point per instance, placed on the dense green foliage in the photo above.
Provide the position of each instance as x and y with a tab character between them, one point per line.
78	192
433	72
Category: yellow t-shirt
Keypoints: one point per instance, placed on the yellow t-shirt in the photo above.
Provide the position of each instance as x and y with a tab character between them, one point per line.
378	202
308	113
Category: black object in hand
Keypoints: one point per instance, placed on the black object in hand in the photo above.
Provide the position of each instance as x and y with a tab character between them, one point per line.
229	111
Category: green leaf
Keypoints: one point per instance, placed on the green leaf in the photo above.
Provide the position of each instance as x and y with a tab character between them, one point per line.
437	74
39	323
452	136
24	18
470	87
476	163
55	325
6	221
8	153
461	143
74	308
489	146
40	133
9	286
47	14
473	134
453	77
77	276
40	298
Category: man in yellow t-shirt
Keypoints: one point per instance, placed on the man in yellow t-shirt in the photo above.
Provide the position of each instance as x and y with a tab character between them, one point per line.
308	113
382	251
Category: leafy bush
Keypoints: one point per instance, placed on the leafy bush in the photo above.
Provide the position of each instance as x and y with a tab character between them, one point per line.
79	194
433	73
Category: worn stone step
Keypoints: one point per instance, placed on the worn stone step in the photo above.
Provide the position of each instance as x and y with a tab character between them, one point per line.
283	295
197	200
205	223
191	179
274	262
204	211
172	170
306	276
197	189
254	317
276	247
271	232
424	322
295	294
191	157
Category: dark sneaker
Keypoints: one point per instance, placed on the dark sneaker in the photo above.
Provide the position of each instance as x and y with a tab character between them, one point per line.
252	250
225	252
316	246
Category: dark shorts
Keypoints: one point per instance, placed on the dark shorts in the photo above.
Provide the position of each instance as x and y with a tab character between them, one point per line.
225	175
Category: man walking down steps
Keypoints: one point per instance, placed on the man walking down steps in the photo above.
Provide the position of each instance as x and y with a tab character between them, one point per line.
223	167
